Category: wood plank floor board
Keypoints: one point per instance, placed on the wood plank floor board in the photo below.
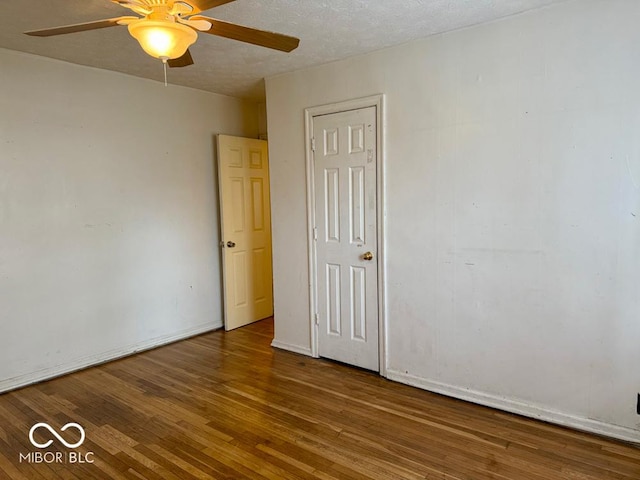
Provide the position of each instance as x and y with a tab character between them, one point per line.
225	405
226	460
188	464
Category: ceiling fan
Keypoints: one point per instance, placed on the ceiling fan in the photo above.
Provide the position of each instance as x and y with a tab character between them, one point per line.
167	28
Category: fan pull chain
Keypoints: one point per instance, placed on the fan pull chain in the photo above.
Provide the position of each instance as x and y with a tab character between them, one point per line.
164	62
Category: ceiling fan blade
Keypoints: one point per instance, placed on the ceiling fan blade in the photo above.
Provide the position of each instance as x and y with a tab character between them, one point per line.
181	8
126	3
127	20
183	61
200	25
276	41
135	5
79	27
202	5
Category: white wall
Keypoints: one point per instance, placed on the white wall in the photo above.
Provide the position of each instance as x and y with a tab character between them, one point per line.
108	214
513	210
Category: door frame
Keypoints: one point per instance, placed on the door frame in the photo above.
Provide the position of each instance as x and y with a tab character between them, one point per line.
376	101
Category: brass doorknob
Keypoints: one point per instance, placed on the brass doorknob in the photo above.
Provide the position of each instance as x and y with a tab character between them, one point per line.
367	256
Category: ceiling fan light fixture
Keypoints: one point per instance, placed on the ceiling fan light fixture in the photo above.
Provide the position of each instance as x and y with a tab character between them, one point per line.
163	39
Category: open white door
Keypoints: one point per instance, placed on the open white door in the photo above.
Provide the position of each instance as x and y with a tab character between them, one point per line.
345	235
243	171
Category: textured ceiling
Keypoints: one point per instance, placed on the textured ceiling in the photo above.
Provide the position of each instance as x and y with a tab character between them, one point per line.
328	29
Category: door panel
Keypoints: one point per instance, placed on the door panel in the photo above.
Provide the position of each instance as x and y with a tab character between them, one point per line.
345	214
358	303
246	223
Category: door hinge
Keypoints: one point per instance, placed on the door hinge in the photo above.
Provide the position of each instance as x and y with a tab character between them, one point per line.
313	144
316	319
315	233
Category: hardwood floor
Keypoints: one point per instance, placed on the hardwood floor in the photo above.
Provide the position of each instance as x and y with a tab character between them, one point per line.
227	405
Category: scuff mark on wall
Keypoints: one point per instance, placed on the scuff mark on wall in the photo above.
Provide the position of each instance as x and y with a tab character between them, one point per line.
90	225
634	171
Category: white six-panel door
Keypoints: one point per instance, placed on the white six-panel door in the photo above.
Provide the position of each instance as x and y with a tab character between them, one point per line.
344	159
243	168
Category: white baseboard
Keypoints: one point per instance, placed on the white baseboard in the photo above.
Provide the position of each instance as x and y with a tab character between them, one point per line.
292	348
517	407
90	361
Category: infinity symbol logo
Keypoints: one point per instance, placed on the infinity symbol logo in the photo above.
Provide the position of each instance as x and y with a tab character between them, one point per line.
55	434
